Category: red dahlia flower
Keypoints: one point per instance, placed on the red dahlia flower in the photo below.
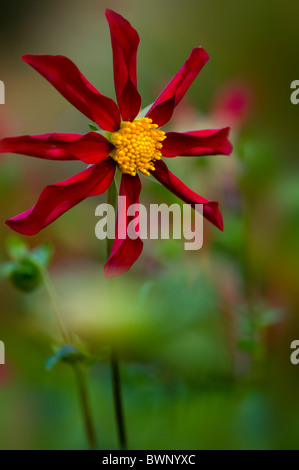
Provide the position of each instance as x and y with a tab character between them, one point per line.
129	143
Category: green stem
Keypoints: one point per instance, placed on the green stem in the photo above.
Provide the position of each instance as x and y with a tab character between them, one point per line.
58	316
114	363
117	396
79	374
85	406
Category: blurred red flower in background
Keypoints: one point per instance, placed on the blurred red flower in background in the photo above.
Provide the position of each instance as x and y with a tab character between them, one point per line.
233	103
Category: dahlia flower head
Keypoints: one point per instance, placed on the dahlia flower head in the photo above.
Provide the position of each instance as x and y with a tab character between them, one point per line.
127	140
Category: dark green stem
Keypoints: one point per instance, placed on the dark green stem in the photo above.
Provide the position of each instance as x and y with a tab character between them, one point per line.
85	406
114	363
117	396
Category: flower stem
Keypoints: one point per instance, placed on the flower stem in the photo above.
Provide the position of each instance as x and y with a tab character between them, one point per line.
85	406
114	363
79	374
117	396
51	294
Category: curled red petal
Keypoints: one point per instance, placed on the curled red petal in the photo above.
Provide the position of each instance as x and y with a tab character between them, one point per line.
176	186
57	199
125	251
163	107
89	148
197	143
63	74
125	41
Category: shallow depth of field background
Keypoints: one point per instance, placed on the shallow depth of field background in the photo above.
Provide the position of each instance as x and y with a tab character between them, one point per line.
204	336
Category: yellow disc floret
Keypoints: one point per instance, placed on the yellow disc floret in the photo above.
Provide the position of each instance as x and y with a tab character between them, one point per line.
137	146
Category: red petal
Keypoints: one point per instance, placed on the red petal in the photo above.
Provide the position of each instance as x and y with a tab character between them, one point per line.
163	107
57	199
177	187
125	41
89	148
63	74
196	143
125	251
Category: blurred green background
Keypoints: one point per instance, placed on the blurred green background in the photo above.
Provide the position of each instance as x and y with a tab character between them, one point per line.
204	336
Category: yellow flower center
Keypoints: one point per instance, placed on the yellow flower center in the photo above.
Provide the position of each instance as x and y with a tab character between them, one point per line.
137	146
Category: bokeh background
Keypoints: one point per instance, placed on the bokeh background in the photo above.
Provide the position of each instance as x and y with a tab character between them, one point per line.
204	336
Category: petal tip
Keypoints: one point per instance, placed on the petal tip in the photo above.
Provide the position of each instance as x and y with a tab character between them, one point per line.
218	222
228	147
26	57
202	53
111	14
111	270
108	12
13	226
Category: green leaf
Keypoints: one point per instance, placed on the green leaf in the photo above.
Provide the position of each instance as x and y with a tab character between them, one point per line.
67	354
26	269
42	255
6	269
25	276
16	248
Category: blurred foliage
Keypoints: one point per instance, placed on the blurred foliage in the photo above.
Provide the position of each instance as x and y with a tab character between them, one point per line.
26	268
204	336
